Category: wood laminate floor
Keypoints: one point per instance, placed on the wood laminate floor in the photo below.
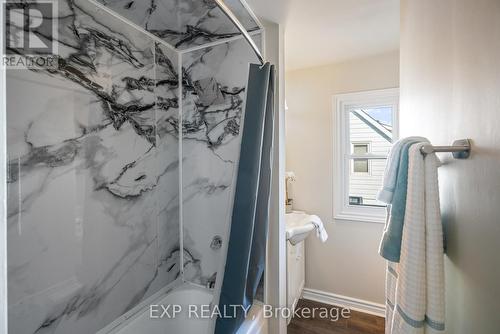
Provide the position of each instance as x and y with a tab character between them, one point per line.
357	323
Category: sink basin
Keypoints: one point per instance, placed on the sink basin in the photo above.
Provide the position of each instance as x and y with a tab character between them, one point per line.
298	226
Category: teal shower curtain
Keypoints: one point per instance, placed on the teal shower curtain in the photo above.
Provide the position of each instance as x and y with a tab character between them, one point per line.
246	252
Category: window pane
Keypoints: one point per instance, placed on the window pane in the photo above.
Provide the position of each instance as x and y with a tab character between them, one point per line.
360	165
364	185
370	130
360	148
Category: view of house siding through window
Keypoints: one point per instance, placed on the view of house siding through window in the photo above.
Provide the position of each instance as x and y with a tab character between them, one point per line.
370	134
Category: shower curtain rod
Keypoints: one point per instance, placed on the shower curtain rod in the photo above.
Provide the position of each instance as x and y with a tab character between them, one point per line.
225	9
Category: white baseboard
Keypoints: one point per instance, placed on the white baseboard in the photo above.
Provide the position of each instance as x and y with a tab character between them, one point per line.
344	301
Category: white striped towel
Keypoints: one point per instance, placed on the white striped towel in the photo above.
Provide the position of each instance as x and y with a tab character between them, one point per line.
415	285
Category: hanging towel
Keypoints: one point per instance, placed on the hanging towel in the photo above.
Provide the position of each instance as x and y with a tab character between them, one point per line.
415	286
390	245
320	229
391	169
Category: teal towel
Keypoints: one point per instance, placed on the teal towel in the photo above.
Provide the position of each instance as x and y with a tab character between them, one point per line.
390	246
391	170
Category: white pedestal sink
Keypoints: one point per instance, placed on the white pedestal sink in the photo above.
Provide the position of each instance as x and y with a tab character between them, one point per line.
298	226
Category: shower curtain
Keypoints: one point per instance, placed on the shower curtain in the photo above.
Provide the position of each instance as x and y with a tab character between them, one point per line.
246	251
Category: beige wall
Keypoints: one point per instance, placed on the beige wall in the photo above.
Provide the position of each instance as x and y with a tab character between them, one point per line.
348	263
275	281
450	89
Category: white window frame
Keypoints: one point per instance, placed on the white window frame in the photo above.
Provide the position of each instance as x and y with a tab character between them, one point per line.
342	104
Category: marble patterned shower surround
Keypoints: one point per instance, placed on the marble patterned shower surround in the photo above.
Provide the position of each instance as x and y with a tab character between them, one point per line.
93	177
184	23
93	173
214	82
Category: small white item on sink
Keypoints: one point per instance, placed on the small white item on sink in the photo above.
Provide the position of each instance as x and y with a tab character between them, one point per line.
289	177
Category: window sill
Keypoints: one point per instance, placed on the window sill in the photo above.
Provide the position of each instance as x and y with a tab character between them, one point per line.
364	218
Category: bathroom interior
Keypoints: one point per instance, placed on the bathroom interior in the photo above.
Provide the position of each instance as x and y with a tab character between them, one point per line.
250	167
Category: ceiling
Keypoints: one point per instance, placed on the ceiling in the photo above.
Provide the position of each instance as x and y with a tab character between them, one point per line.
319	32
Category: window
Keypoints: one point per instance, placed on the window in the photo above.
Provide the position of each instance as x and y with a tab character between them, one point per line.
365	126
355	200
360	165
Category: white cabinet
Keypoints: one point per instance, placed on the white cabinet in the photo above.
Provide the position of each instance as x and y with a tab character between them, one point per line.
295	273
299	226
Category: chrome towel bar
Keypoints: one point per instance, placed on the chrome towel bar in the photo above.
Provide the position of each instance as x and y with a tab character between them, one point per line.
460	149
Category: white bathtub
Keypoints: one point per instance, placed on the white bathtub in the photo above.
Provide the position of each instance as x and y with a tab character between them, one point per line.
147	319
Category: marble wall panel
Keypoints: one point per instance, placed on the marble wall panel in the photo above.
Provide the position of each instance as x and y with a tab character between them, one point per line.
92	177
184	23
214	82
